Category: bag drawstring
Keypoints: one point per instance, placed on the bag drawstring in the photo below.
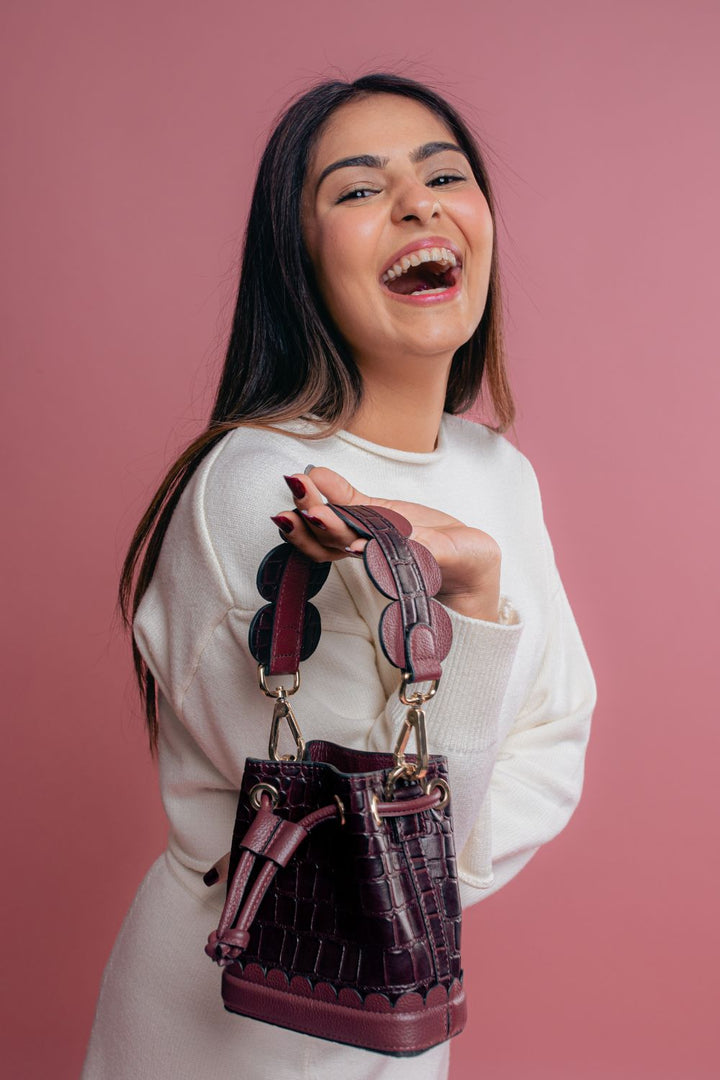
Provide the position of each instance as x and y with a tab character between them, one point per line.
276	840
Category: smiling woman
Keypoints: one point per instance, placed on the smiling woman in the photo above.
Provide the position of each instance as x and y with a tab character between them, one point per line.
368	317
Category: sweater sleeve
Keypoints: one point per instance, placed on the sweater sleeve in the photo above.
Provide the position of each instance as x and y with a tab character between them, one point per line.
464	719
537	777
513	716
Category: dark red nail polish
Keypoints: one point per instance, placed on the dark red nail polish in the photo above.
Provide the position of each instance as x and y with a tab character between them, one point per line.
211	877
283	523
313	520
296	486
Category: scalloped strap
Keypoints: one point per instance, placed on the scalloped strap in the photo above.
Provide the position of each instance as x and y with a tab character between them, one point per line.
415	630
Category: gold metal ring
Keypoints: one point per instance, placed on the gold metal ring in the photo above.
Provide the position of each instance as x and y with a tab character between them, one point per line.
374	810
418	698
255	793
406	769
277	691
438	782
341	808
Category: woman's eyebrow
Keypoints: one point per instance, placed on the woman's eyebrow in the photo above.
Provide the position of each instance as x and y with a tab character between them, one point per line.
370	161
367	161
426	151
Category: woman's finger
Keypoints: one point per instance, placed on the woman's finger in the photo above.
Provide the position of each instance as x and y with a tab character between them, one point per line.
322	523
336	489
321	485
318	532
327	484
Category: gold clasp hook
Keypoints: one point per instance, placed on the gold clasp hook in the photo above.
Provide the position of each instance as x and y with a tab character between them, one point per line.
282	711
414	721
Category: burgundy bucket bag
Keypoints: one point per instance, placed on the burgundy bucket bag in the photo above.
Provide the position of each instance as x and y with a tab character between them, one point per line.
342	916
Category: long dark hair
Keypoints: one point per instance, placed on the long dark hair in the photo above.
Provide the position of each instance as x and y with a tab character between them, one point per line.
285	358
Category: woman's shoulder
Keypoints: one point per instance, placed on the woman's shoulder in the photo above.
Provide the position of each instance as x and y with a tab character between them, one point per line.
222	519
479	446
242	477
217	536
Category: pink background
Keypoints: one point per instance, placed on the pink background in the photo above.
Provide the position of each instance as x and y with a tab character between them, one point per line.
131	136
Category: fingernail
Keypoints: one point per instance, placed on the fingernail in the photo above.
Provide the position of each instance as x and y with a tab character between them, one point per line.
313	520
283	523
355	554
296	486
211	877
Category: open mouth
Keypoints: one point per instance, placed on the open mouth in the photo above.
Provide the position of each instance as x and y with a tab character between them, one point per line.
427	270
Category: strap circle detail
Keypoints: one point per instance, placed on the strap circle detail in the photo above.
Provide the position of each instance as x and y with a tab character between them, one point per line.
415	630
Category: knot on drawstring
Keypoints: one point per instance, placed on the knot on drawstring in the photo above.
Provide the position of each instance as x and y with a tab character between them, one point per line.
274	840
227	949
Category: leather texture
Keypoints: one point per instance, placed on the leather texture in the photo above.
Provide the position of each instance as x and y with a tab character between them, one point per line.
362	908
411	1026
286	630
415	630
342	917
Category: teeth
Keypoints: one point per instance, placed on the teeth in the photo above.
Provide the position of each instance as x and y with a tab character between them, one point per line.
442	256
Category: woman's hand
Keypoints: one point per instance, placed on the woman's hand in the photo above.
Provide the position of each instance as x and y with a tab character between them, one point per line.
468	558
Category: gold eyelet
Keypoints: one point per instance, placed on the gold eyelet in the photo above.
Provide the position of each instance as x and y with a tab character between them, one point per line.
255	793
438	782
341	808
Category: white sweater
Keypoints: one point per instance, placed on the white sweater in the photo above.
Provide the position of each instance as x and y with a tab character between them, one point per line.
512	713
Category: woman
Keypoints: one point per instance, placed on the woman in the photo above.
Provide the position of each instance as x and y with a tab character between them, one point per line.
368	314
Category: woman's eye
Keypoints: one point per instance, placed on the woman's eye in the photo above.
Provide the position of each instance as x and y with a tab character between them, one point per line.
356	194
446	178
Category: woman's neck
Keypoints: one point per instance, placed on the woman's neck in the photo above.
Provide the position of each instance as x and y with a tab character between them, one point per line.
400	411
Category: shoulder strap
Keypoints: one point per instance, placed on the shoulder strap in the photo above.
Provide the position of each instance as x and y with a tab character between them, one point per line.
415	630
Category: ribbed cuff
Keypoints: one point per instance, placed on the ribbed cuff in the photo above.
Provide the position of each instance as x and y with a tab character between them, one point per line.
464	714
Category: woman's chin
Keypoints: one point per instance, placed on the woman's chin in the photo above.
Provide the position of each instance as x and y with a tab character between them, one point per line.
432	332
435	337
435	326
419	347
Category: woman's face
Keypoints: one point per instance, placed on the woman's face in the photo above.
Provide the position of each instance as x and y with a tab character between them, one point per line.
398	231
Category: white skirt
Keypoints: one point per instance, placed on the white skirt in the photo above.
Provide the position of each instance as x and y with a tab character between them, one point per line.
160	1014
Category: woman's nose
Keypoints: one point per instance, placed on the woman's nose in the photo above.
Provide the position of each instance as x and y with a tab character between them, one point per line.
416	202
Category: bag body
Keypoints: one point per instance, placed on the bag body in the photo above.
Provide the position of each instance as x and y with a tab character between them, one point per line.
342	918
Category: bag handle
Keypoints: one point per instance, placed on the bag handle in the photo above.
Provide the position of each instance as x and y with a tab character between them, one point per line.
415	630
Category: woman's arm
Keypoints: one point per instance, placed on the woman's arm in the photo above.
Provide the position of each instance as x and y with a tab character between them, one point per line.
538	774
516	780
